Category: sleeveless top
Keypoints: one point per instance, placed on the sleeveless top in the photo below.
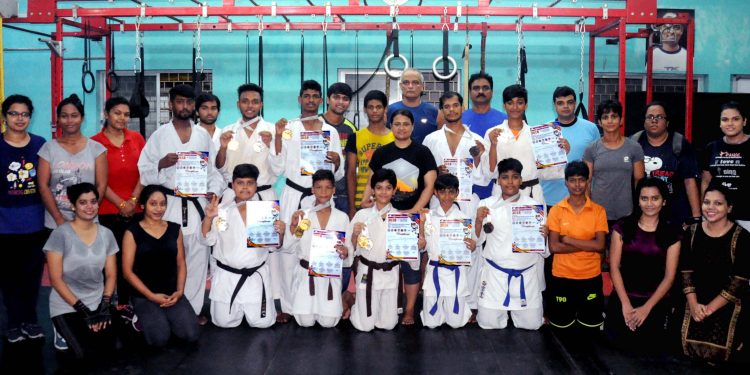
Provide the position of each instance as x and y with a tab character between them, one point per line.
156	258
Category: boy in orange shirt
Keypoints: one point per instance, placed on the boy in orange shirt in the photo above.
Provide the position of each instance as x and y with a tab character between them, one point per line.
577	229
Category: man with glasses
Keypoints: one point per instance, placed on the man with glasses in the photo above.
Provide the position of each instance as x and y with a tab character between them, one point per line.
670	157
481	116
157	166
426	117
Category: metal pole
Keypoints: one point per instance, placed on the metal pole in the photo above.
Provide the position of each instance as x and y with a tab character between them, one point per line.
689	80
621	68
592	84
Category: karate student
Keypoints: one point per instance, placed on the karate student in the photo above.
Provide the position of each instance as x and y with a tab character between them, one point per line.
446	287
510	282
577	228
208	107
317	299
248	140
285	158
157	167
377	279
512	139
241	282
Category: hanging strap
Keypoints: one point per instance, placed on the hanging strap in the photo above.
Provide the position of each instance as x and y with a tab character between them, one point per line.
325	62
446	63
197	60
112	81
378	67
411	48
522	66
247	56
86	74
581	109
260	59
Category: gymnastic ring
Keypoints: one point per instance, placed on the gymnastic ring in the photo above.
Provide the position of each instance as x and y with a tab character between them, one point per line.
397	74
440	76
112	81
87	89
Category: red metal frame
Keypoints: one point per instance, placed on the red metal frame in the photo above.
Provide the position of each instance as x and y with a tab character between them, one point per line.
609	23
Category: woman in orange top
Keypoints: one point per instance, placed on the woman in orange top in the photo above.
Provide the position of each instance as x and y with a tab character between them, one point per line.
123	183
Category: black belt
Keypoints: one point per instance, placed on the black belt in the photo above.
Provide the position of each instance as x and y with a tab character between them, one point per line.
306	192
530	184
185	201
311	280
371	267
245	272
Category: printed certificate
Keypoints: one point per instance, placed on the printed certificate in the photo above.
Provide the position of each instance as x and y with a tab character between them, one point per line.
191	174
259	219
526	221
453	250
461	168
324	260
545	139
402	236
313	149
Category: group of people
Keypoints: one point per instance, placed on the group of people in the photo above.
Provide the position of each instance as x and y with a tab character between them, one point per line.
646	206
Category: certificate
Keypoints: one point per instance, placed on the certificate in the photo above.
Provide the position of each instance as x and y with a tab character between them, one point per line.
313	152
191	174
260	217
526	221
548	152
453	249
461	168
324	260
402	236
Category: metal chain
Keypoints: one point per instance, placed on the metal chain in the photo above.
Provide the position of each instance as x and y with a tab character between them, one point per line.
138	43
197	43
519	35
582	31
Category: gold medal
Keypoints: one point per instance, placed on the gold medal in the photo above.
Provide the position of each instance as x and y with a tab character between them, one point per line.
287	134
364	242
303	225
233	145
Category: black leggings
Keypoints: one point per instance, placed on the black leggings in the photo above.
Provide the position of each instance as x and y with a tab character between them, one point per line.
21	275
82	341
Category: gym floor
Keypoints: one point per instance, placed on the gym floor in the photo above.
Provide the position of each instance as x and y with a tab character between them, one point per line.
290	349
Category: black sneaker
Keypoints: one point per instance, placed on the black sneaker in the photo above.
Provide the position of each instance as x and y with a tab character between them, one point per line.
32	331
15	335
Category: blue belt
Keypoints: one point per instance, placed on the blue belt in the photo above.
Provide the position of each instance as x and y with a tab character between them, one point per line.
436	280
511	274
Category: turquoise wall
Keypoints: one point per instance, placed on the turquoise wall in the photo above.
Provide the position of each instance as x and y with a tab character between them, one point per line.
553	58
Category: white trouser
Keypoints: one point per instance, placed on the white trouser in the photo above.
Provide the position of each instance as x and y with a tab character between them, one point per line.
224	317
196	259
498	319
444	313
384	310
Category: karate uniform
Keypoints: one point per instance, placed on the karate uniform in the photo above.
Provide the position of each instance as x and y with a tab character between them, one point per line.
437	142
284	262
384	283
253	299
163	141
247	153
496	285
309	309
522	150
450	304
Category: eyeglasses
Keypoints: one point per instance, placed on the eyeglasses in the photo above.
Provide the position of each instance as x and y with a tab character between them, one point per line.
19	114
655	118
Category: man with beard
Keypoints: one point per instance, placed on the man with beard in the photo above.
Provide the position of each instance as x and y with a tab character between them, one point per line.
426	116
208	107
339	97
481	117
248	140
157	166
285	158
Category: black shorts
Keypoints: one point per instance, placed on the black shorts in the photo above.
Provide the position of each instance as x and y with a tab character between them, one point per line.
574	301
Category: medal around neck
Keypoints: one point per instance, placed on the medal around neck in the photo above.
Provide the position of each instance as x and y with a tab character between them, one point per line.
364	239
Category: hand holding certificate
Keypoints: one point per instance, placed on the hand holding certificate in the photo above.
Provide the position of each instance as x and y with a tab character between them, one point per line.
545	139
453	249
461	168
260	217
402	236
313	151
191	174
325	261
527	221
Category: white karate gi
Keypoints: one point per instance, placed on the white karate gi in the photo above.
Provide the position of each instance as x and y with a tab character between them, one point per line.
307	309
494	284
230	248
447	279
384	283
246	152
437	142
163	141
522	150
284	262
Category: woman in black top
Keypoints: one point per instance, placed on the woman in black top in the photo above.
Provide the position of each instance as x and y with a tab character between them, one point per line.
153	262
